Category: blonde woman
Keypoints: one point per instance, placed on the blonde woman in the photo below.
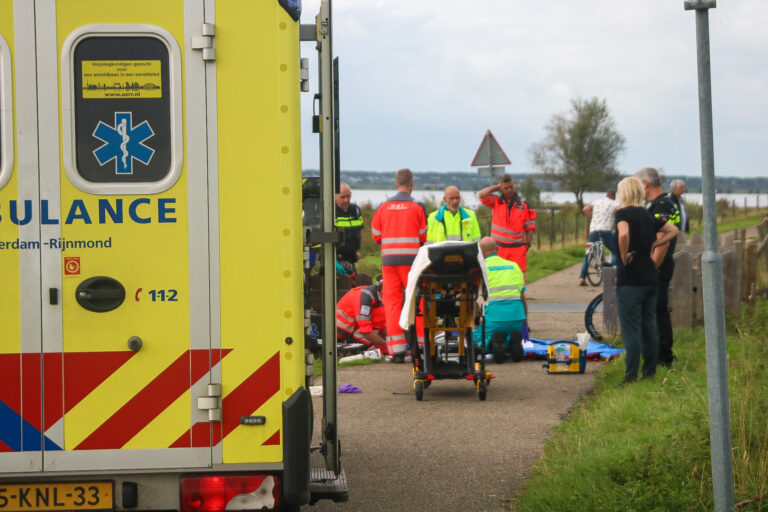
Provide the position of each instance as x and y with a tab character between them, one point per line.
637	278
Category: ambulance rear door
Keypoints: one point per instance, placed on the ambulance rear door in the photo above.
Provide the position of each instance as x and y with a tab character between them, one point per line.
128	357
20	411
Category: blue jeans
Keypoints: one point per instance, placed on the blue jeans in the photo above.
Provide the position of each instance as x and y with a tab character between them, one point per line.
637	314
609	240
504	316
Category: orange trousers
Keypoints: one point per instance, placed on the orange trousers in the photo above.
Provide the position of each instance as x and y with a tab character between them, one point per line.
394	279
516	254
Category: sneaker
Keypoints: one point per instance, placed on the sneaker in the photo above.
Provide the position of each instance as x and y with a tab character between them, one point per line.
582	282
516	343
397	359
497	347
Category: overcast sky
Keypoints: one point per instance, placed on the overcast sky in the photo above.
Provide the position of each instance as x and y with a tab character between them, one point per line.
421	80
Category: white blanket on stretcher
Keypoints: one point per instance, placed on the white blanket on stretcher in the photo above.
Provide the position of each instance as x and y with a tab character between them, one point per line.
420	264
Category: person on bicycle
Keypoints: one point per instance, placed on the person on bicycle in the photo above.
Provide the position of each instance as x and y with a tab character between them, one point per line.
601	213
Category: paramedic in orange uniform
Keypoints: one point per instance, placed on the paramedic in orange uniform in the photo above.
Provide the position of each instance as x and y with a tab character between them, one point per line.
360	316
512	222
400	226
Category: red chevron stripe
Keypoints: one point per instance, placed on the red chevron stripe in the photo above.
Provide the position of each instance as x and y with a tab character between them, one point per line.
31	396
148	403
273	440
246	398
53	399
85	371
4	447
10	391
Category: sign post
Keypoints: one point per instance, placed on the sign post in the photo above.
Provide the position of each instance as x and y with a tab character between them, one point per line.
490	153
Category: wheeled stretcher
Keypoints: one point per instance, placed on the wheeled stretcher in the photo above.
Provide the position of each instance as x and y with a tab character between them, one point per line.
444	285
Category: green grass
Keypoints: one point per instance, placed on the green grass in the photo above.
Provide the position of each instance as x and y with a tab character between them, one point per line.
645	446
731	225
544	263
540	263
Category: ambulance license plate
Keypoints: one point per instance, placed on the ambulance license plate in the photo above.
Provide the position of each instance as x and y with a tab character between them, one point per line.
56	496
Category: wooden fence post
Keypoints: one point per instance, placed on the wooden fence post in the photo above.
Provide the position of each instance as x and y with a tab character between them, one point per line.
732	278
681	291
610	305
578	223
551	228
750	271
562	228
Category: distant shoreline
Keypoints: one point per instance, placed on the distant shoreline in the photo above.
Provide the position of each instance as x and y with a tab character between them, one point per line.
471	182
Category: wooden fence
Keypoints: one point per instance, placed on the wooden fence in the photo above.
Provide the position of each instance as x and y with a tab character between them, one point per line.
741	257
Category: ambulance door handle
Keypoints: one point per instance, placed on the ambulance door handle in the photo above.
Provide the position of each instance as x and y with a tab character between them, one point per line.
100	294
53	296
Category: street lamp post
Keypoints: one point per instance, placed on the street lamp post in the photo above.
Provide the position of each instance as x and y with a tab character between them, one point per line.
712	277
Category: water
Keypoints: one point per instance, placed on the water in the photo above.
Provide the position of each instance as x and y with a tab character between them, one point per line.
469	198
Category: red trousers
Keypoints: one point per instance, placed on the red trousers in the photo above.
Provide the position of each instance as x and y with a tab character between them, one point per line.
516	254
394	279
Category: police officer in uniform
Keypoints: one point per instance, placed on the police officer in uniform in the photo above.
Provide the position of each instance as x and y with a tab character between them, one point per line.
661	207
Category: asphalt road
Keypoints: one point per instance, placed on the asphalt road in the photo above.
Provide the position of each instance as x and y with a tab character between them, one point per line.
452	452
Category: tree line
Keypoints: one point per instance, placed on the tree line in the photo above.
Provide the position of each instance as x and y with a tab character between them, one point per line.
579	153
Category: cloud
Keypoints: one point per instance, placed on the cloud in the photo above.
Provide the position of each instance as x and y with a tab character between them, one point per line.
422	80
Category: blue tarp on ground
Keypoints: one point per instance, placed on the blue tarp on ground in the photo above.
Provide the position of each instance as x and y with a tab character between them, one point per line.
594	349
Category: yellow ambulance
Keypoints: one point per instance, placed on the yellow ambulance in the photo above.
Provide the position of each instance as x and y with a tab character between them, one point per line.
152	324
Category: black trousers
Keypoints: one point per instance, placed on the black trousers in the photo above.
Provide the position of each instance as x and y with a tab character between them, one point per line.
663	321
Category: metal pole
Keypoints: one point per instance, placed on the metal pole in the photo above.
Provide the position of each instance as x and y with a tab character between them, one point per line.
327	174
712	277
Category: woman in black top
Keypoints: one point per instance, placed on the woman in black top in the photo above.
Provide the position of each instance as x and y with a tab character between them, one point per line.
636	277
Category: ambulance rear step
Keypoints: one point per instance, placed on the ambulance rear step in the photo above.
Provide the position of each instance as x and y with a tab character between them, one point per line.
325	485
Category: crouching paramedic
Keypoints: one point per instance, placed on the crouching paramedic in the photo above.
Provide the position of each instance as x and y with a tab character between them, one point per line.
400	226
360	316
507	310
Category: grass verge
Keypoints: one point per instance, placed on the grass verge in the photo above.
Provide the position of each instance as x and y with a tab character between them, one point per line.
540	263
645	446
544	263
731	225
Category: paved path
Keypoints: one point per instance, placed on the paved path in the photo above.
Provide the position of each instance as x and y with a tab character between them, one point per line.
452	452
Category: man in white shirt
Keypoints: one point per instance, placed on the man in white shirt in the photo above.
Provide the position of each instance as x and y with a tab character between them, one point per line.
602	214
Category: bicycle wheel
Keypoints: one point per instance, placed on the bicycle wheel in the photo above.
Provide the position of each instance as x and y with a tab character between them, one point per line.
592	321
595	267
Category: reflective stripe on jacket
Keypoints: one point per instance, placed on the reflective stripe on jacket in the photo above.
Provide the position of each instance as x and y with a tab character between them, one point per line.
509	224
400	226
354	311
443	224
351	222
505	279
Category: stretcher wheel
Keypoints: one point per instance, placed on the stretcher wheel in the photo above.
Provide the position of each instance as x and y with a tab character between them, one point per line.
418	387
482	389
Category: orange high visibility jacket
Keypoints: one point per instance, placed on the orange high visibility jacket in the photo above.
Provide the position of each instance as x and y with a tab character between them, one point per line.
509	223
360	311
400	226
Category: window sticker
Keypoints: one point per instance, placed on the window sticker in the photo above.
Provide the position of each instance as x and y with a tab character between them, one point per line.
122	79
122	128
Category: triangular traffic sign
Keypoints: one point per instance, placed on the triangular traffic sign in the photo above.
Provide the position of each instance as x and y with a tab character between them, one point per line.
490	152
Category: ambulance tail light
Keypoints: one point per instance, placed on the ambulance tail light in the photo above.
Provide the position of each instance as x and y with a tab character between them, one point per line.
212	493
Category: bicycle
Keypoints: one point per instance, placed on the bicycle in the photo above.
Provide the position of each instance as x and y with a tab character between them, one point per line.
595	255
594	306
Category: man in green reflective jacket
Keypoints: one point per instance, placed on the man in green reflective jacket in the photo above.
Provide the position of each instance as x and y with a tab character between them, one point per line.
349	219
507	310
452	221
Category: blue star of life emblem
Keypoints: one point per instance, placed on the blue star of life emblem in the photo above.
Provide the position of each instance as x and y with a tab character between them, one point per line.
123	143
